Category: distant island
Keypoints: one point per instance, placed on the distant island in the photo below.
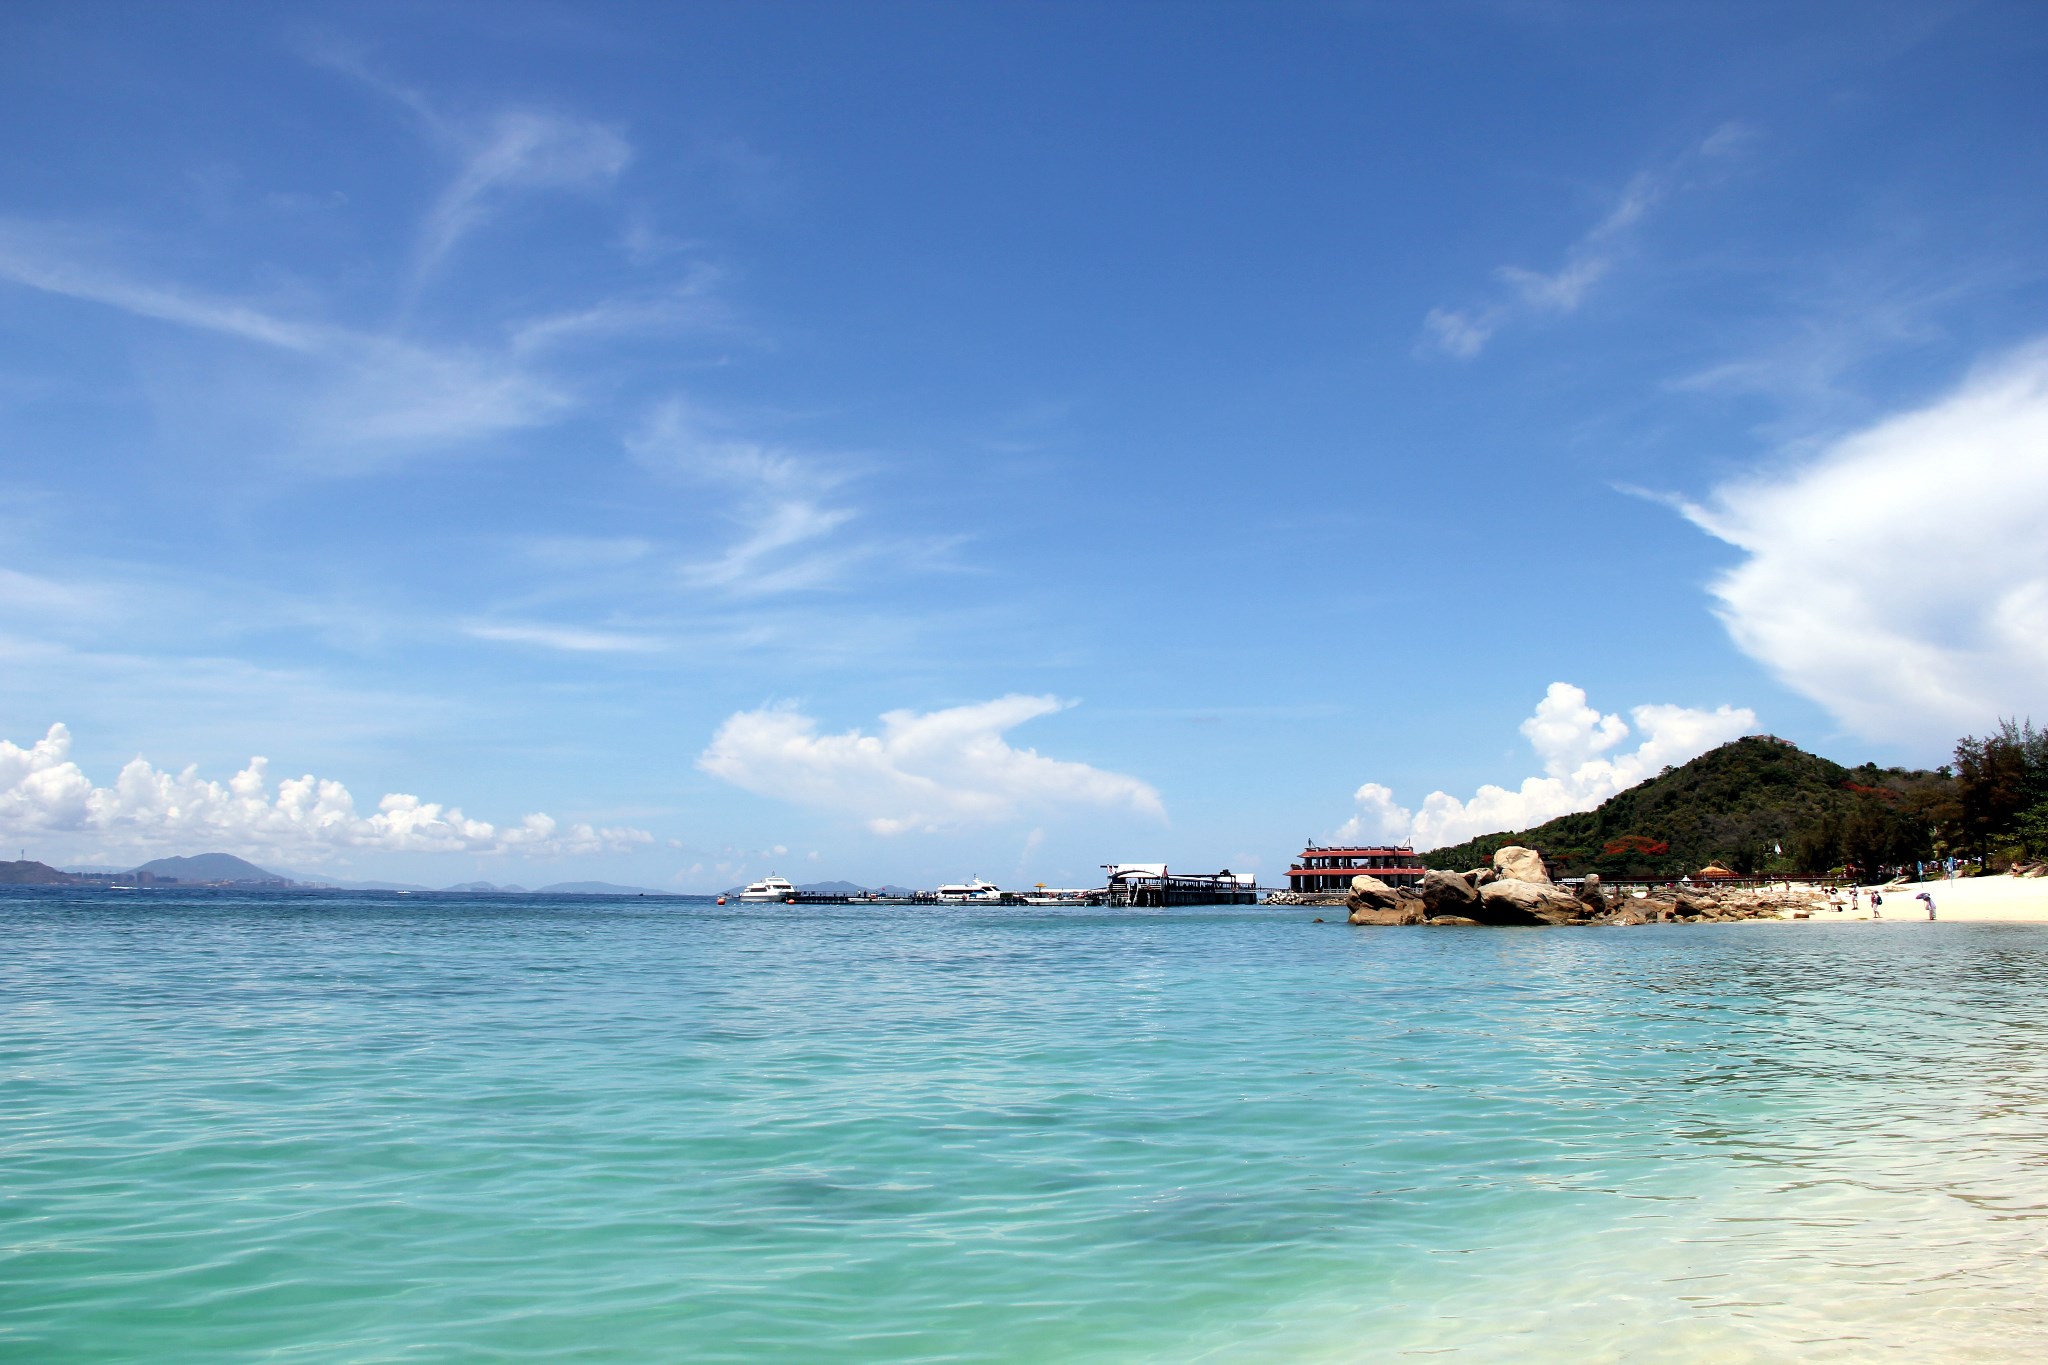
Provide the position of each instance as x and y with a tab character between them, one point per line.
226	871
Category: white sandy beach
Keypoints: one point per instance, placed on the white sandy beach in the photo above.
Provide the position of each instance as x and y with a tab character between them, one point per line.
1966	898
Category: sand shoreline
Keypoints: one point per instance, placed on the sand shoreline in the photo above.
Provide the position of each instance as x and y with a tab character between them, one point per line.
2021	900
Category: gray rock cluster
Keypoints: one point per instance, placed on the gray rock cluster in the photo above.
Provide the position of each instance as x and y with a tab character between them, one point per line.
1516	889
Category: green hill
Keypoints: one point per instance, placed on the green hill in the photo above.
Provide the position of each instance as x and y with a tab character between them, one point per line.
209	867
29	873
1758	804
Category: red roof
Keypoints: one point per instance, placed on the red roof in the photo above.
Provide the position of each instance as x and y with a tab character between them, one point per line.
1320	851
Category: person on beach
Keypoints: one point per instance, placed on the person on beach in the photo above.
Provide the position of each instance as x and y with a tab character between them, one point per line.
1923	896
1876	899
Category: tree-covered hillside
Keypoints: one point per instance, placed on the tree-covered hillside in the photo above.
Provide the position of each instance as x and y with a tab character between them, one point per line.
1758	804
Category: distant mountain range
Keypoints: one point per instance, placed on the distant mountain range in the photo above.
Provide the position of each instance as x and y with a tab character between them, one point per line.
225	869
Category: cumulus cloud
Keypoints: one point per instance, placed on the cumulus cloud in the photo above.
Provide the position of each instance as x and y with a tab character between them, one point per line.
44	792
1900	578
1577	746
923	771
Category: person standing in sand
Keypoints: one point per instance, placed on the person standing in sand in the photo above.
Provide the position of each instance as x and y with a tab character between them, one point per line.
1923	896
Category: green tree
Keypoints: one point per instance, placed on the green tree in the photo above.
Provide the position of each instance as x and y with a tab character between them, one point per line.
2000	780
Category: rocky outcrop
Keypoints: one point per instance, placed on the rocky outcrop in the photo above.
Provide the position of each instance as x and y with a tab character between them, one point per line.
1447	893
1372	893
1306	898
1372	901
1516	890
1402	912
1591	895
1518	864
1519	902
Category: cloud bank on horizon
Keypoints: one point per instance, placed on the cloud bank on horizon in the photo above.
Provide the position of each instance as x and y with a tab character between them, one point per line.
1572	740
924	772
146	809
1900	577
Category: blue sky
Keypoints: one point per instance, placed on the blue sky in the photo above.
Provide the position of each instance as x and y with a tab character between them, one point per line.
1196	427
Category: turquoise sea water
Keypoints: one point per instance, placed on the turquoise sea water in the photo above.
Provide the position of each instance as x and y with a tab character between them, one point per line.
324	1129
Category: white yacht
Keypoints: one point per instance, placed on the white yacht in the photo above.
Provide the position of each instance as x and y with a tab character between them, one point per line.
769	888
974	892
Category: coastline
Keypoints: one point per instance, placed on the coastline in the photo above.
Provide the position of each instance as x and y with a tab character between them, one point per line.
2021	900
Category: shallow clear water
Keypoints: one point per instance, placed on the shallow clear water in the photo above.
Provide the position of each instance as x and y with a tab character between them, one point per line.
322	1129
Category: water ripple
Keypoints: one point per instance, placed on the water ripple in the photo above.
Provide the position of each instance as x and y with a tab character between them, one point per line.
326	1129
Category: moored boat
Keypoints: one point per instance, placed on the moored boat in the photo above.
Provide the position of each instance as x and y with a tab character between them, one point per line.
769	888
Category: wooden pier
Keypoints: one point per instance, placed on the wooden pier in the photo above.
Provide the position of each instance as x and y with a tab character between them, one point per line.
1152	886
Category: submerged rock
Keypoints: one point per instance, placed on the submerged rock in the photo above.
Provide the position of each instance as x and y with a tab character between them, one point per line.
1406	912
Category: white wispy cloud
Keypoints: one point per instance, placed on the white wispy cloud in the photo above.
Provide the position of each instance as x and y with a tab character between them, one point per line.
360	398
44	792
786	507
64	260
495	154
1575	745
571	639
923	771
1464	332
1899	577
1524	293
690	303
515	150
368	398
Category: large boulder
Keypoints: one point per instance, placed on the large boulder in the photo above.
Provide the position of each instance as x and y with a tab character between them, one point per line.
1590	894
1520	902
1695	905
1446	893
1406	912
1518	864
1371	893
